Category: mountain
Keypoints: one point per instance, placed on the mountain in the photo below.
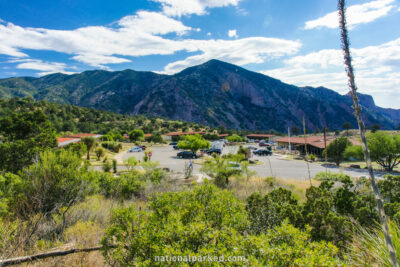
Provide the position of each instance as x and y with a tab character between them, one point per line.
214	93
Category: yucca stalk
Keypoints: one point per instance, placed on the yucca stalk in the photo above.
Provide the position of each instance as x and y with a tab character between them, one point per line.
361	126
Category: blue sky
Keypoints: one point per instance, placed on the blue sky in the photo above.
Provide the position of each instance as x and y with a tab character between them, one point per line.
295	41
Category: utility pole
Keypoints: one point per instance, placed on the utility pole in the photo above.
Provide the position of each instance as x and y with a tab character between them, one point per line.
305	136
290	146
326	155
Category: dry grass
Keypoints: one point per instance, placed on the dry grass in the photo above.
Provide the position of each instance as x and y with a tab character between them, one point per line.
243	187
85	226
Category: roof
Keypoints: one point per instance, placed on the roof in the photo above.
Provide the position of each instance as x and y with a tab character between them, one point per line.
84	135
260	135
63	141
316	141
182	133
223	135
147	135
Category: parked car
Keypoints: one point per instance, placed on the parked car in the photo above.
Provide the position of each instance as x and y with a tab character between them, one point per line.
263	144
214	150
250	141
143	147
251	148
262	152
135	149
187	155
173	143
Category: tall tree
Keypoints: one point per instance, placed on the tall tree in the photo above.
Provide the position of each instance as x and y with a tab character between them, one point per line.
295	130
25	135
361	126
90	143
194	143
335	150
375	128
136	135
347	127
385	149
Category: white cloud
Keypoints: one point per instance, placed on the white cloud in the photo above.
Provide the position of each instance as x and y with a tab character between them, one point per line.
232	34
177	8
44	67
153	23
377	71
142	34
356	14
209	34
137	35
241	51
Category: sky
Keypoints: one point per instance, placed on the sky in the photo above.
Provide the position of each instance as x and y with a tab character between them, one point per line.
297	42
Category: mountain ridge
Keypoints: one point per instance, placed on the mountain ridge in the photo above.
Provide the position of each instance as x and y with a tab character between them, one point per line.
214	93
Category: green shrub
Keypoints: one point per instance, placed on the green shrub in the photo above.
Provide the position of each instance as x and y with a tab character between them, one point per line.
353	152
194	143
124	186
269	211
57	180
107	166
114	165
234	138
330	176
206	221
112	146
100	152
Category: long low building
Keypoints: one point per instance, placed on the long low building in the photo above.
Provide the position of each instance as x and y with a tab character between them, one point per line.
315	144
74	138
260	136
64	141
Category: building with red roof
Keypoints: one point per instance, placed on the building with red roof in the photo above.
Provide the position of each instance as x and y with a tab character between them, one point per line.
260	136
315	144
74	138
64	141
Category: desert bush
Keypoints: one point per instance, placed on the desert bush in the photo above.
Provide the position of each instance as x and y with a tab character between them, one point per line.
206	221
112	146
269	211
100	152
130	163
125	186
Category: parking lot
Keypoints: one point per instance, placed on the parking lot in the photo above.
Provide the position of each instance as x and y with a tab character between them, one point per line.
275	165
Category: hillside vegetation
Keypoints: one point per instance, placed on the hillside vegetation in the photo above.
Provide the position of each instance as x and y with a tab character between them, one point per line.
214	93
52	199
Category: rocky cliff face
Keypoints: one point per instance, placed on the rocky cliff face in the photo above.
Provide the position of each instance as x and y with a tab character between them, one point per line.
214	93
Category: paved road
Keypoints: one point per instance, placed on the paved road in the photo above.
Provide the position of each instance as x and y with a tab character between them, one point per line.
167	158
274	165
297	169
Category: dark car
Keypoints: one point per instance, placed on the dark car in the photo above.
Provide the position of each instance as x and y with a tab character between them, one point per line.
262	152
143	147
252	148
176	147
214	150
173	143
264	144
187	155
